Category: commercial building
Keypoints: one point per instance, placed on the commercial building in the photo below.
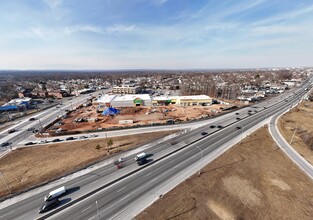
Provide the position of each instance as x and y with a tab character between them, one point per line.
126	89
104	101
145	100
131	101
196	100
17	104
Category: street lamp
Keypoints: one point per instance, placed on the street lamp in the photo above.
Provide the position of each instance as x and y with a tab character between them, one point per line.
201	152
98	210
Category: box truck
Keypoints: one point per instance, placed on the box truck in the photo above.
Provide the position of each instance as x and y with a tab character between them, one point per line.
55	193
141	158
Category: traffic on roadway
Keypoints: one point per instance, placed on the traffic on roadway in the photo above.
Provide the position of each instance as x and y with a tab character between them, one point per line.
109	191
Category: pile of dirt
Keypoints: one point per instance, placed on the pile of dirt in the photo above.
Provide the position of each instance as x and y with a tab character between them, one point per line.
252	180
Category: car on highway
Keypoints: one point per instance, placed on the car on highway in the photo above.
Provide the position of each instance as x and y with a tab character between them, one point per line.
70	138
237	113
238	118
29	143
204	133
48	205
4	144
83	137
220	126
43	141
11	131
212	126
238	127
93	135
32	119
30	129
56	140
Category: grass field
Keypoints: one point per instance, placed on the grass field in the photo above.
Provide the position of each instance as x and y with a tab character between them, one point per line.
252	180
27	167
300	122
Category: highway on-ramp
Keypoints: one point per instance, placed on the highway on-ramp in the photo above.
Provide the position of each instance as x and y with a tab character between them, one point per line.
114	196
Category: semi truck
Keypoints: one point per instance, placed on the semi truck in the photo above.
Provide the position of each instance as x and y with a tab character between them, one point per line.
55	193
141	158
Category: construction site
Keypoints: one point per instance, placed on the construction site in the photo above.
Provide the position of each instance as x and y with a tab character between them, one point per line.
89	117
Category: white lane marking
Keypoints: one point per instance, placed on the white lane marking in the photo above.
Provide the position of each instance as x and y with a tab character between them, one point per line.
6	214
86	209
121	189
125	197
148	174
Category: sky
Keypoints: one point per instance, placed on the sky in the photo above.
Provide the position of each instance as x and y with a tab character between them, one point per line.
155	34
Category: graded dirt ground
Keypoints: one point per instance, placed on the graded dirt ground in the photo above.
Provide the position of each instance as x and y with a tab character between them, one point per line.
139	115
27	167
252	180
299	121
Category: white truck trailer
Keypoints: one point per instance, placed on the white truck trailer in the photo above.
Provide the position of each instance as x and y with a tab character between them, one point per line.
55	193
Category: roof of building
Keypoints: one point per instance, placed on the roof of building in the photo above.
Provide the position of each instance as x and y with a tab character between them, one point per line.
195	97
164	98
18	101
132	97
105	98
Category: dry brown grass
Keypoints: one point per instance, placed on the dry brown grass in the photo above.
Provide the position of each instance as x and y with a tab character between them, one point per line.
252	180
27	167
300	118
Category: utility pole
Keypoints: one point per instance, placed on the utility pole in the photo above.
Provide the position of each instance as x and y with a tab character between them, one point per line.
5	182
201	153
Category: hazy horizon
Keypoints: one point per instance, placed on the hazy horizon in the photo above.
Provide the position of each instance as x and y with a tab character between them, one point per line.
155	34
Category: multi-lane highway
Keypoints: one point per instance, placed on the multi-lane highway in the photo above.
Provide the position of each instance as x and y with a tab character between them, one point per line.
117	190
42	119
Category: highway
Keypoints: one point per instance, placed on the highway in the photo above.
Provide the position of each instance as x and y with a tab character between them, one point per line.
113	196
118	200
43	118
284	145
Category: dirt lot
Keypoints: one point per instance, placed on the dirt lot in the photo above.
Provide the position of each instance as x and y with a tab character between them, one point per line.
27	167
139	115
252	180
299	119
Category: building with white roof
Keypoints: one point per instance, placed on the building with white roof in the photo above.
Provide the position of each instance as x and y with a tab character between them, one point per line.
104	101
145	100
131	101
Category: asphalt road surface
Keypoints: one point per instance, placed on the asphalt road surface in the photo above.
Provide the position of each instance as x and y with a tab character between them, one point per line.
114	190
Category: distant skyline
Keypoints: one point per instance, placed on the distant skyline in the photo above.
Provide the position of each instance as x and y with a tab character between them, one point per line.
155	34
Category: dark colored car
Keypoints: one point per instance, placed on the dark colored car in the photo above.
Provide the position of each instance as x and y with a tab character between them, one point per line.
238	118
220	126
11	131
69	138
204	133
212	126
4	144
32	119
29	143
238	127
250	111
237	113
48	205
56	140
